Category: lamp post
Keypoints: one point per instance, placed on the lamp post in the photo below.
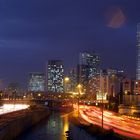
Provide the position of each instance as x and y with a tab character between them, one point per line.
101	93
66	80
102	112
79	90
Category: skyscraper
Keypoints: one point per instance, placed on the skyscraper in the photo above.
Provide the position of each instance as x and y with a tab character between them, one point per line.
36	82
55	75
89	67
92	62
138	53
82	74
73	79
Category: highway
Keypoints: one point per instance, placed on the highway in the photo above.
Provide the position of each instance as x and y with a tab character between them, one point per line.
121	124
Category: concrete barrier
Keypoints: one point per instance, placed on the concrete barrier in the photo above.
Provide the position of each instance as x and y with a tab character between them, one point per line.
13	125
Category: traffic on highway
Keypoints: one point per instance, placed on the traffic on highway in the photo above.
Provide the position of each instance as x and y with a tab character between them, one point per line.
121	124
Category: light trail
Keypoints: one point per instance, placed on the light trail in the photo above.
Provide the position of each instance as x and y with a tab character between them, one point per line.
120	124
7	108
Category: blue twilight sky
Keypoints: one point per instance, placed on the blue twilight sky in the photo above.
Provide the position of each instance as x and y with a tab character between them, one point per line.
33	31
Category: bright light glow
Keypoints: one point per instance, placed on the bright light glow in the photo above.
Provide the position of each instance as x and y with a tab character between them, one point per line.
67	79
6	108
99	96
123	125
125	92
59	96
74	93
79	86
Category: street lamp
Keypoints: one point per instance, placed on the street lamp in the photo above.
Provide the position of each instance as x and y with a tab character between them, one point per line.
66	80
79	90
102	111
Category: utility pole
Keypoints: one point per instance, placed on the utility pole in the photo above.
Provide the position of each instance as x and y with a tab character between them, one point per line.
79	90
101	92
102	112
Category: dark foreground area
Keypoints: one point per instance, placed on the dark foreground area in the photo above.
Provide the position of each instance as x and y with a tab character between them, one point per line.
52	128
60	126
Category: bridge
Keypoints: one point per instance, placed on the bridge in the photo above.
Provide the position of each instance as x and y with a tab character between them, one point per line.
51	103
15	102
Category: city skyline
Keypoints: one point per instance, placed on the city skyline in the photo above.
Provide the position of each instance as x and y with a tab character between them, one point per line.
52	30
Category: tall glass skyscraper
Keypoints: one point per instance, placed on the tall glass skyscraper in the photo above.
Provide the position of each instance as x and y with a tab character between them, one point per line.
92	62
89	67
55	75
138	52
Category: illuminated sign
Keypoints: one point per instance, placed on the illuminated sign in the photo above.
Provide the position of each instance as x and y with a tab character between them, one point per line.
101	96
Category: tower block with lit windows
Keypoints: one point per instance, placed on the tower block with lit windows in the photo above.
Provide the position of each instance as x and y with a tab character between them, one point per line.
137	82
132	101
138	53
36	82
89	67
55	75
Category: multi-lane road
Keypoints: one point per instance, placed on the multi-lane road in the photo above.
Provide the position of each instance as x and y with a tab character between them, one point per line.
123	125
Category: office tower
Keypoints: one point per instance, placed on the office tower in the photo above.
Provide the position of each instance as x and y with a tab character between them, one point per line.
93	87
138	53
92	62
82	75
107	83
103	87
127	86
13	90
137	87
55	75
73	79
36	82
13	87
110	72
89	67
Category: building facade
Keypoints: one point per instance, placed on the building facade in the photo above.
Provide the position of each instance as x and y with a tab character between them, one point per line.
92	63
55	76
127	86
138	53
36	82
73	79
136	87
82	75
88	69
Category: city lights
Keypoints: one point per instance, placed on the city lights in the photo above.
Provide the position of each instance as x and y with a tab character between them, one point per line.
73	64
120	124
7	108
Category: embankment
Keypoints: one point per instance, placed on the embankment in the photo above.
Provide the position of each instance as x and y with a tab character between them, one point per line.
13	124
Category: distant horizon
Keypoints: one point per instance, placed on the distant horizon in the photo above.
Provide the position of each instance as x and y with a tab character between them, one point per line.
66	70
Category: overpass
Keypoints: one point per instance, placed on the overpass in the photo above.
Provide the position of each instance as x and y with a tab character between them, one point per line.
15	102
48	102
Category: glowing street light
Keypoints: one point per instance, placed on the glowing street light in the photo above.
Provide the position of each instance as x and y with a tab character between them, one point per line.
66	80
79	86
39	95
102	112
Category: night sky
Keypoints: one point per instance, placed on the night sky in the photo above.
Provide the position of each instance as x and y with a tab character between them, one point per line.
33	31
